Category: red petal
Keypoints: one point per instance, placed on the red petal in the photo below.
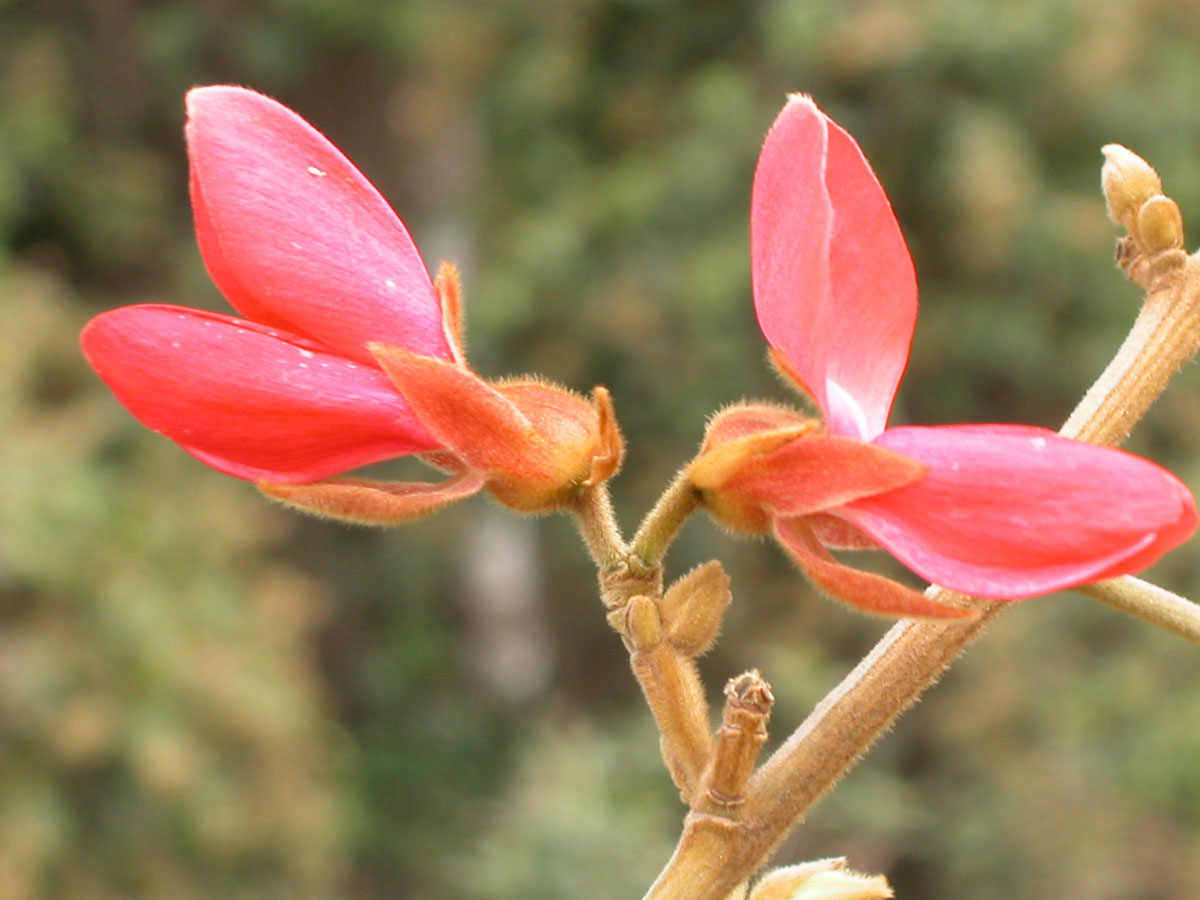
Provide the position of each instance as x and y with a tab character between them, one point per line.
1009	511
813	473
253	402
862	590
375	502
295	236
834	285
482	426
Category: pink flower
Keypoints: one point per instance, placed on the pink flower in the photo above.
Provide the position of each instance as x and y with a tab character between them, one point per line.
998	511
348	354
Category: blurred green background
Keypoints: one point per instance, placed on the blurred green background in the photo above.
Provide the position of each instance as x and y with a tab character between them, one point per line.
205	696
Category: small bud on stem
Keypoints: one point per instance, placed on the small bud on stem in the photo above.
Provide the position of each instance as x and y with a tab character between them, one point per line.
693	608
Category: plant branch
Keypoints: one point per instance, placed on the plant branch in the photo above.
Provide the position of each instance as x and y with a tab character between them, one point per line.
663	522
1149	603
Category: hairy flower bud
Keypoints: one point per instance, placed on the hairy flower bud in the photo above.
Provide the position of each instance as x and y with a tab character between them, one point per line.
1128	181
694	607
1160	225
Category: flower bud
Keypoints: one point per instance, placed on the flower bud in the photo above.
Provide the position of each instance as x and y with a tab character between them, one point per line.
694	607
643	624
1128	181
1160	225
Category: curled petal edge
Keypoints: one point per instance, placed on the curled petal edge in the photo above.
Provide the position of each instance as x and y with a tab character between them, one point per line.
865	591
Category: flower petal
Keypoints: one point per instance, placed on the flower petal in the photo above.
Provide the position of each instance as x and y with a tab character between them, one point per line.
296	237
834	286
863	590
1009	511
251	401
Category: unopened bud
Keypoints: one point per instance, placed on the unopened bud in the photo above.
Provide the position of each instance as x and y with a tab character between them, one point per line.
1160	225
1128	181
643	624
694	607
825	879
779	884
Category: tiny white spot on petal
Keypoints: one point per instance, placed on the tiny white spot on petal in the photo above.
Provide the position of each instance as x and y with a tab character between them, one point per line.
313	170
307	354
1039	443
391	284
175	344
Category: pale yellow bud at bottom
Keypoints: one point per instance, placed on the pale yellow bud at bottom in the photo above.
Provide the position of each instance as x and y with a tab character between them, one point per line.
823	879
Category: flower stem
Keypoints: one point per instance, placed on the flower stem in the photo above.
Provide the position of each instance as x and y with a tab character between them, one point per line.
598	526
663	522
711	861
1150	603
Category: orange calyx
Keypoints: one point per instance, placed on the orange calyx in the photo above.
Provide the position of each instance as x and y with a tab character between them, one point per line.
537	444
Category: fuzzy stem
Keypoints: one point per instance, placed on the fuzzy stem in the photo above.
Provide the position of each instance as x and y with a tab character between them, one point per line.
663	522
910	658
598	526
1150	603
675	694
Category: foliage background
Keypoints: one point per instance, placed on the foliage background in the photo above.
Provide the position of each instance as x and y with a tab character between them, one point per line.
203	696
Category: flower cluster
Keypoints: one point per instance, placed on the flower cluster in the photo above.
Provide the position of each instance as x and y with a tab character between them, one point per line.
347	353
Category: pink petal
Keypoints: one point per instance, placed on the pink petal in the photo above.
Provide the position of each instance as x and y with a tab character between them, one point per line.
1009	511
834	285
296	237
251	401
863	590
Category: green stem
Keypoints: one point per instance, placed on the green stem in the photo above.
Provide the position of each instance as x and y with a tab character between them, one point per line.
663	522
